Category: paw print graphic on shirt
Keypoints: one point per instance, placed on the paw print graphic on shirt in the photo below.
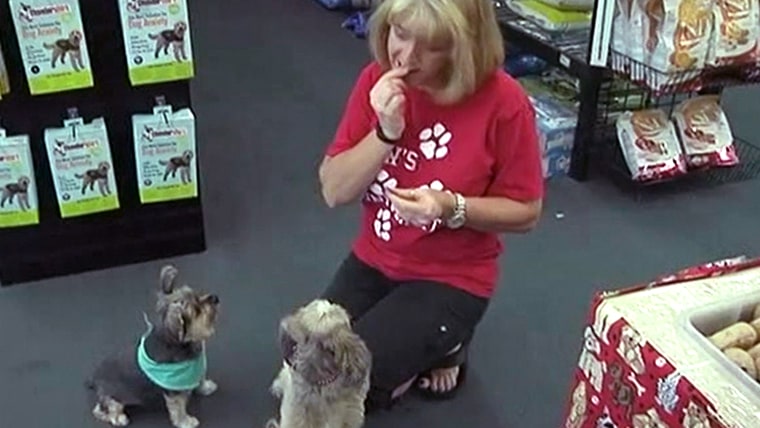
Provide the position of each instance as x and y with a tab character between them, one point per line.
434	142
376	190
383	224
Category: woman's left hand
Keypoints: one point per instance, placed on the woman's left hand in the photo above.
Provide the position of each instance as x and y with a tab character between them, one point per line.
422	206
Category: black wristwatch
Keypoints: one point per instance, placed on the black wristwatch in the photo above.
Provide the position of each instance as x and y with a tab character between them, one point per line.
384	138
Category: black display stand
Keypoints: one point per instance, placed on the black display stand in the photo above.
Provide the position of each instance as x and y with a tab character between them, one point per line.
133	233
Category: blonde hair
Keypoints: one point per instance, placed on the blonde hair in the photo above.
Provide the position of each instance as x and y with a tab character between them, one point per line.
477	45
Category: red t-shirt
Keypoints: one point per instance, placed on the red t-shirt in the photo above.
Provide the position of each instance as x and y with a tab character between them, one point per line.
485	145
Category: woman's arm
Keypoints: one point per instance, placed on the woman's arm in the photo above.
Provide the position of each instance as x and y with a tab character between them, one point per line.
496	214
346	176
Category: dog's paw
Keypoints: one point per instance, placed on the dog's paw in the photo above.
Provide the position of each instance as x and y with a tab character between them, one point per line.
207	387
120	420
188	422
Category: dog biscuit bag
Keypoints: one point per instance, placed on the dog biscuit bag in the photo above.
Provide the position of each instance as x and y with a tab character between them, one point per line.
165	154
157	40
18	190
705	133
80	162
53	45
650	146
737	30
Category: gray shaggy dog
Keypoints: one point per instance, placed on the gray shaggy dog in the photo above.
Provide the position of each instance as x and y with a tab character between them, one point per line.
324	379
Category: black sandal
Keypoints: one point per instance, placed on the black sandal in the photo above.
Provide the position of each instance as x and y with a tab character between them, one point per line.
456	359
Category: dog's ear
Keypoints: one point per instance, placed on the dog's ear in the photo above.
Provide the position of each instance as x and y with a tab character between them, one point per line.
285	335
168	278
350	353
174	321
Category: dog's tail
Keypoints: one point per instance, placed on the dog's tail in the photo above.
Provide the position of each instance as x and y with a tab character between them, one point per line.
272	423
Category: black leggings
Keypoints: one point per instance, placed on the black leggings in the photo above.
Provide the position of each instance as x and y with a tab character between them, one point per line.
408	326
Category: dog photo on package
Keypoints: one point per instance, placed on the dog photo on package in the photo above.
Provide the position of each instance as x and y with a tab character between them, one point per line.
80	162
165	154
18	192
53	45
156	40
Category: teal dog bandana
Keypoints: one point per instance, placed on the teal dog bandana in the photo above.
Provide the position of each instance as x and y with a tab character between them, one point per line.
180	376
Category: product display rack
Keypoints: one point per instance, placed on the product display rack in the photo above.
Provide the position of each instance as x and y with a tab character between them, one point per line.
131	234
603	94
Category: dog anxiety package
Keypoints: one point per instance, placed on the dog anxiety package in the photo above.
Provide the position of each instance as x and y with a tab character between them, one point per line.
80	162
18	193
157	40
53	45
165	154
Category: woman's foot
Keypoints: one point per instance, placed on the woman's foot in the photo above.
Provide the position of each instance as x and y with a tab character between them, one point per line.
443	382
440	380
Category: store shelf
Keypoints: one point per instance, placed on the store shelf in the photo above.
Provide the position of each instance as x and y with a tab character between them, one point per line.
661	83
567	50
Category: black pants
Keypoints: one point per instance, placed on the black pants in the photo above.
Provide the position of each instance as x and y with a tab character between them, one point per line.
408	326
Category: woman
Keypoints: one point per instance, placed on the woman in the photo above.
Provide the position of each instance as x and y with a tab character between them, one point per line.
440	145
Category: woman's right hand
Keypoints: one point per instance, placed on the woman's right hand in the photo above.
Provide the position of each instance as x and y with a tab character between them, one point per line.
388	100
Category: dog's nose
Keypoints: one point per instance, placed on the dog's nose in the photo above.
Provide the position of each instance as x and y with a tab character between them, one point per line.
214	299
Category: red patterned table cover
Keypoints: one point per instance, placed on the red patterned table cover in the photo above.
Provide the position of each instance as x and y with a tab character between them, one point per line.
624	379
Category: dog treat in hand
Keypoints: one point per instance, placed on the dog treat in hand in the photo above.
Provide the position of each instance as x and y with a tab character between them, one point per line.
157	40
738	335
165	154
80	163
650	145
18	190
53	45
705	133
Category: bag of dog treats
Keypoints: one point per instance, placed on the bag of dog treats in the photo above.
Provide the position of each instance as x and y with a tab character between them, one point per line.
676	36
650	145
626	36
53	45
18	189
80	162
735	36
157	40
5	83
705	133
165	154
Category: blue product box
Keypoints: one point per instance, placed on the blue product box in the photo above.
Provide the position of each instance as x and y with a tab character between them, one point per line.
556	132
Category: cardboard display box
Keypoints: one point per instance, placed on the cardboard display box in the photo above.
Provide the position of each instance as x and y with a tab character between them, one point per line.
647	362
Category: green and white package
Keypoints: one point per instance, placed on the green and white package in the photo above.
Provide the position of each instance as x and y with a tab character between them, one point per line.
18	189
165	154
82	168
157	40
53	45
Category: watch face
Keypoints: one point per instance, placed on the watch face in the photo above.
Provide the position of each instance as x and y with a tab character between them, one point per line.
456	222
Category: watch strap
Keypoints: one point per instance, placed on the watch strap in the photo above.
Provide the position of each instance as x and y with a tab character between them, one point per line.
382	137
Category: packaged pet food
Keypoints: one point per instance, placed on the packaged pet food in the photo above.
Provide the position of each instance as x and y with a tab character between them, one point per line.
676	35
165	154
650	145
18	189
626	36
53	45
736	33
157	40
80	162
5	83
705	133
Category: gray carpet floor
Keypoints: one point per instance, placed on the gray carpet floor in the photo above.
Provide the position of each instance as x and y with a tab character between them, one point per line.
272	79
